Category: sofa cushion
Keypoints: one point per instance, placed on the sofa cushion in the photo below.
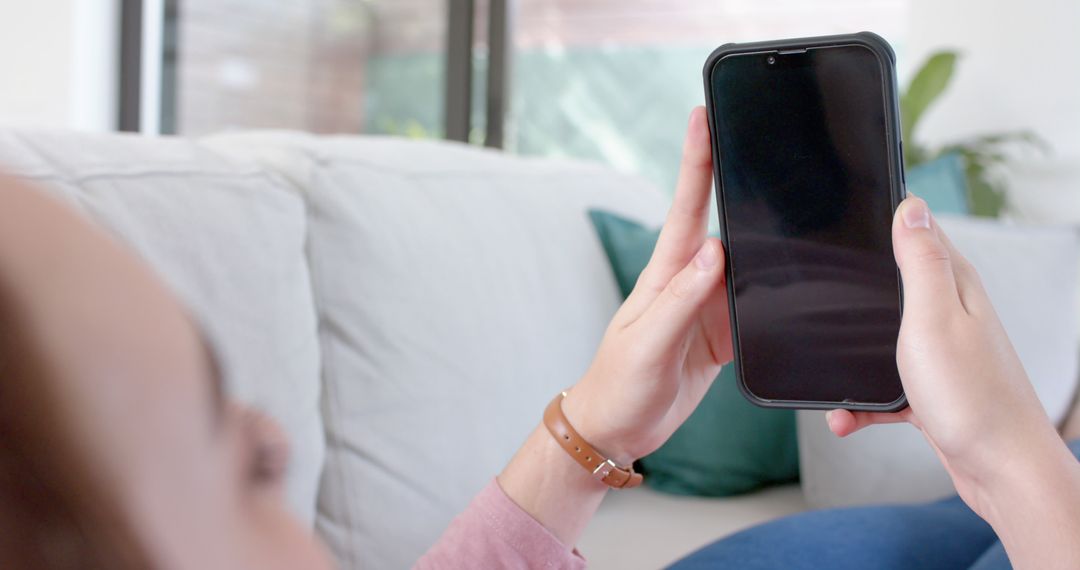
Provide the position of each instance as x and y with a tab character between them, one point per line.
228	239
1031	276
458	290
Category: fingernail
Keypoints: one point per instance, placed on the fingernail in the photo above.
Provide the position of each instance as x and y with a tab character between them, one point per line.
696	116
916	214
828	416
706	257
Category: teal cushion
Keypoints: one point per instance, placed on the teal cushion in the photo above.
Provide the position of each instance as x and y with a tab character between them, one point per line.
942	183
728	445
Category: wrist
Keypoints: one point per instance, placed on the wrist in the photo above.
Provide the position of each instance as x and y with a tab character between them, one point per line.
551	487
1033	504
1014	472
588	420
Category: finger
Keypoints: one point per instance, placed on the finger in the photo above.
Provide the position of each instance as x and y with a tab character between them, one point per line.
845	422
924	261
687	220
968	283
670	315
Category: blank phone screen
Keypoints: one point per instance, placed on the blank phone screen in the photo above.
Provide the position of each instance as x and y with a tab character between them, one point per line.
807	204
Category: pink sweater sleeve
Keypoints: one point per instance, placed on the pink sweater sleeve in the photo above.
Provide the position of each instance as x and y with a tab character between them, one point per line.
494	532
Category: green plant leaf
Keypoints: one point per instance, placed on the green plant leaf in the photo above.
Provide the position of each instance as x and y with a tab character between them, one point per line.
1018	138
925	87
916	154
984	156
987	195
986	191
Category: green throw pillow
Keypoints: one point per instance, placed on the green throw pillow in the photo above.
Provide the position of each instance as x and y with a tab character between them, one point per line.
728	445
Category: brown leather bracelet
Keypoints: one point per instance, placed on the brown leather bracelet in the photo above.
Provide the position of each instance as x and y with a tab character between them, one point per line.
601	467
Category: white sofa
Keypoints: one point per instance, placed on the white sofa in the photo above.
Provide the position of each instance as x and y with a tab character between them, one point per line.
405	309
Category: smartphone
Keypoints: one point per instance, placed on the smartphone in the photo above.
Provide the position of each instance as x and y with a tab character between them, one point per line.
809	170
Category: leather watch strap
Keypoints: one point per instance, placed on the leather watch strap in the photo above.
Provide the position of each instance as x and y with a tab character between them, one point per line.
601	467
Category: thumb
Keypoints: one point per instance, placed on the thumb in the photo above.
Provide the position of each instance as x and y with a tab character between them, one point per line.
670	314
924	260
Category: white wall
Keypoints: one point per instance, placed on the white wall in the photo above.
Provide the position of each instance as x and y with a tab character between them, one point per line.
58	61
1020	70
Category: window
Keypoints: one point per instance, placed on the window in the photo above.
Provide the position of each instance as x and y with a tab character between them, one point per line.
326	66
614	80
608	80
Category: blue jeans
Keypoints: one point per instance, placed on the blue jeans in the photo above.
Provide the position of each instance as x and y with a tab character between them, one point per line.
943	534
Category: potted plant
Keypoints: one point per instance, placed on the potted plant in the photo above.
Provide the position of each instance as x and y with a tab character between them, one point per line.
983	156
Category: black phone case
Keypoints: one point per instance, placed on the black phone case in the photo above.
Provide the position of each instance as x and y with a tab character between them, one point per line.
887	57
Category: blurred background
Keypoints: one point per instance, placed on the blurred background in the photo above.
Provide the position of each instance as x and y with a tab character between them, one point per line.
606	80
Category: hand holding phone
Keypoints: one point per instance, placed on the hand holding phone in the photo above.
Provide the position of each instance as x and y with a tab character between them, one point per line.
666	343
658	357
971	398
